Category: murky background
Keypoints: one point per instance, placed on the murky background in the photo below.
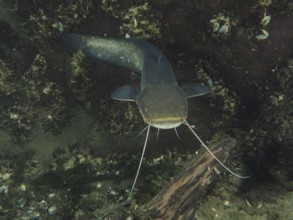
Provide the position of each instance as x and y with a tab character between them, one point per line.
67	151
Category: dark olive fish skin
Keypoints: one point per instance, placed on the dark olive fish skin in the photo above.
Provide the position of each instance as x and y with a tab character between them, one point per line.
161	102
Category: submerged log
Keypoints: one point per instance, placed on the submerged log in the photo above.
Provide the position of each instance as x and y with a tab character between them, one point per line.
178	200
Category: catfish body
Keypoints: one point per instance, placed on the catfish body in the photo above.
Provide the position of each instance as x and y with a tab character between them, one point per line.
161	102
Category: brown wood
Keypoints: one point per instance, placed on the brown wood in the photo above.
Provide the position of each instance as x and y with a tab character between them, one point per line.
178	200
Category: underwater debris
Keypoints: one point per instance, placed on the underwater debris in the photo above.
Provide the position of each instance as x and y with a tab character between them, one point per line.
80	80
270	139
111	7
177	200
264	4
262	36
45	98
32	100
110	117
90	197
221	27
16	122
49	20
7	85
141	22
265	21
222	98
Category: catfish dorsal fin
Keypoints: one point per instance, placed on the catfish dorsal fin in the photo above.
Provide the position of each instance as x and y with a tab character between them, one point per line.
125	93
195	89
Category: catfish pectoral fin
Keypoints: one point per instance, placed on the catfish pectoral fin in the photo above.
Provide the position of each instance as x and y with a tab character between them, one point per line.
125	93
196	89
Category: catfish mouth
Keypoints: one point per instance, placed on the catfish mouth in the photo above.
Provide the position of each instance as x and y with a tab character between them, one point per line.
163	106
165	123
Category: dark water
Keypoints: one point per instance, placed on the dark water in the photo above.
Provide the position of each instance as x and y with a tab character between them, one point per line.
70	152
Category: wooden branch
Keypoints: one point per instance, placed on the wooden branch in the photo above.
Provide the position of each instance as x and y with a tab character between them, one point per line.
178	201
